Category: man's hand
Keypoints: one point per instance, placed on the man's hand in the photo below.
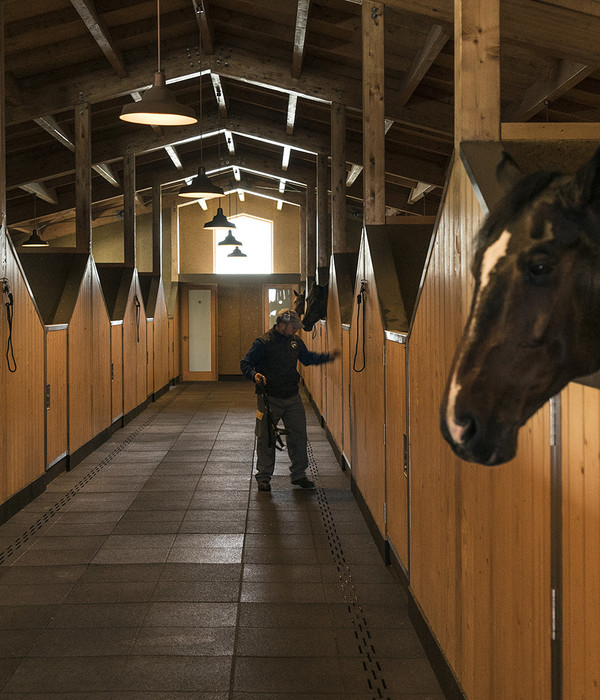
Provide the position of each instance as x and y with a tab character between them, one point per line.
333	354
260	378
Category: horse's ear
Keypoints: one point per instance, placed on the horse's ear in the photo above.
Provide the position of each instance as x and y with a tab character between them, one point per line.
587	183
295	293
508	172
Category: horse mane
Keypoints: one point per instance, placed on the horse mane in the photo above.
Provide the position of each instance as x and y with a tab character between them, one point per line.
513	203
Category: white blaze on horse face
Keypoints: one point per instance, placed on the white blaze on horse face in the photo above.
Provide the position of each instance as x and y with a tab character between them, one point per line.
491	257
456	431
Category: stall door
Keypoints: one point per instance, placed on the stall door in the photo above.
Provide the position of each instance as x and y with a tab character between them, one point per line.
199	333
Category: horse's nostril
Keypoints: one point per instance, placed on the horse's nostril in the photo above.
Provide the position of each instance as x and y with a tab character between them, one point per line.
470	429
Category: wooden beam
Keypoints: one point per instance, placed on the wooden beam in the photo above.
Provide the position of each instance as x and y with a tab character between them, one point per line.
219	95
129	222
323	232
41	191
311	230
204	25
12	88
300	37
476	71
174	156
436	39
230	141
157	230
83	179
291	114
99	30
338	178
373	66
419	192
241	65
106	171
565	75
303	242
550	131
285	158
3	230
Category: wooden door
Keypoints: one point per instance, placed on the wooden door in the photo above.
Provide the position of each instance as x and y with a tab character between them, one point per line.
199	333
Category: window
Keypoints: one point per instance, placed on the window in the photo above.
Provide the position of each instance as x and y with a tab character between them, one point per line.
256	237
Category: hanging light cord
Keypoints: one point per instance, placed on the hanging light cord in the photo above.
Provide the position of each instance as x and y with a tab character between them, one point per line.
158	31
7	297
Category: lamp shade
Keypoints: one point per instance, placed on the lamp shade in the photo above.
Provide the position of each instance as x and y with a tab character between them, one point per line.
158	107
237	253
201	187
219	222
34	241
229	240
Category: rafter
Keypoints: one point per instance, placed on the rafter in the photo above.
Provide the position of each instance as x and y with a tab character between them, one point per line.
219	95
41	191
291	113
436	40
564	76
99	30
300	37
204	25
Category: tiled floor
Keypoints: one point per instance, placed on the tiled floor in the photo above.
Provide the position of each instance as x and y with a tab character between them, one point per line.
155	570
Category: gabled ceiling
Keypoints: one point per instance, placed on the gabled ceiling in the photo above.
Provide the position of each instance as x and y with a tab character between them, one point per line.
270	72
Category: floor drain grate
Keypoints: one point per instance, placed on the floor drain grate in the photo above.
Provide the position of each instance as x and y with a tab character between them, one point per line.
46	517
373	672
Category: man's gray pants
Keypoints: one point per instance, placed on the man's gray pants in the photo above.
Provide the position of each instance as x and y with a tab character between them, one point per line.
291	412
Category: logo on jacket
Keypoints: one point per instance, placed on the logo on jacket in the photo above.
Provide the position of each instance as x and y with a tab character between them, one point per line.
294	344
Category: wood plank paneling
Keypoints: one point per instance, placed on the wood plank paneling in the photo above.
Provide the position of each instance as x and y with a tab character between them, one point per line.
56	377
580	412
346	396
116	345
134	349
149	357
89	363
22	391
368	395
334	383
161	341
480	537
396	429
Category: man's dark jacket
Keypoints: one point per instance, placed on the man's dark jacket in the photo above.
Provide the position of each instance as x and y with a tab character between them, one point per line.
275	356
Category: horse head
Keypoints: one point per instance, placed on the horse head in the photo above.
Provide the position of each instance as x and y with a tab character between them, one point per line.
316	305
532	326
299	301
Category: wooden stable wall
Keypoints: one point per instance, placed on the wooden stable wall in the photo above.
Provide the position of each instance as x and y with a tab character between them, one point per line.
580	411
479	537
94	371
21	392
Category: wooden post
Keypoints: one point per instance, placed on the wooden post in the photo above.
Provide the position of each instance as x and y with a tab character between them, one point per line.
156	230
476	70
3	232
338	178
311	232
373	112
83	179
303	242
323	235
129	222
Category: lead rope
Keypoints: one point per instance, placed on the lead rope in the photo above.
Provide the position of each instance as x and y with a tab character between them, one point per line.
360	300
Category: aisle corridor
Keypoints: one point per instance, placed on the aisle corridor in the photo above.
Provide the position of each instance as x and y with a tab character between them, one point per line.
155	570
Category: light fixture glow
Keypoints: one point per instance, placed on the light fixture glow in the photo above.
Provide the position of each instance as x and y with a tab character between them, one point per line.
34	241
158	106
201	187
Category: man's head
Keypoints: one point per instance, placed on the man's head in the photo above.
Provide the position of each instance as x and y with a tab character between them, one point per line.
288	322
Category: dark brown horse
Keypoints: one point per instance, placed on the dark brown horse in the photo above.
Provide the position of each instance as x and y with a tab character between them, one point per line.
299	302
316	305
534	317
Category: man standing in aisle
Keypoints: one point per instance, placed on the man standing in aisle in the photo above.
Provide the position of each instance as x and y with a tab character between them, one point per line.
271	365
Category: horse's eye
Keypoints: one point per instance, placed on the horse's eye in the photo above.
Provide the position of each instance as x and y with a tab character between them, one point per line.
538	269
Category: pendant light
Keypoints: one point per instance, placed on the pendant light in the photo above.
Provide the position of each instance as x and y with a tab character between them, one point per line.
158	106
201	187
229	240
237	253
219	222
34	241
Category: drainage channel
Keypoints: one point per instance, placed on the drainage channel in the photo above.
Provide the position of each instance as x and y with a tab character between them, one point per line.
372	668
54	510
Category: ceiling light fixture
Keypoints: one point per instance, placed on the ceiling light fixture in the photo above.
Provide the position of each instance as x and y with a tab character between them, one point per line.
34	241
229	240
237	253
201	187
158	106
219	222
